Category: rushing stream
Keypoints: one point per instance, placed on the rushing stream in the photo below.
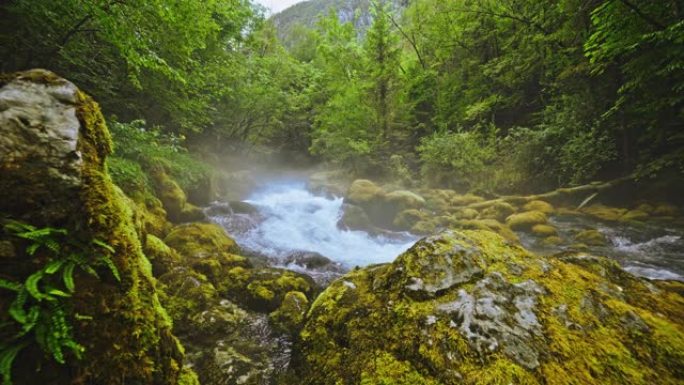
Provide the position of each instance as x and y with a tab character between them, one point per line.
284	218
291	219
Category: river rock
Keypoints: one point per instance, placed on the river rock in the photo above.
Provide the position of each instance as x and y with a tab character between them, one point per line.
467	307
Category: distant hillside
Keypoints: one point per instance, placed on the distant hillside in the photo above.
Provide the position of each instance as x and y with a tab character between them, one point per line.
307	14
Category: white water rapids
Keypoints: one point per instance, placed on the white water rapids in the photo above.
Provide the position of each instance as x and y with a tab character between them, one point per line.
293	219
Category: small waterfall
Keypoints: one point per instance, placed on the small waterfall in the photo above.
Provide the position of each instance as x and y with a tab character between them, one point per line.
292	219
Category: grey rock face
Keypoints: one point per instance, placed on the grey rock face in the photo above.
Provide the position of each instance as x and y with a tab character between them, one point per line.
442	267
499	315
39	131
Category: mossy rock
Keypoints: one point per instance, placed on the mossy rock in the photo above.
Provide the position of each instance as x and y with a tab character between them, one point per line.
634	215
162	257
406	219
200	240
591	237
363	191
424	227
263	289
289	317
451	310
499	211
489	225
404	200
552	241
465	200
665	210
542	230
354	218
538	205
56	176
606	213
526	220
466	213
169	192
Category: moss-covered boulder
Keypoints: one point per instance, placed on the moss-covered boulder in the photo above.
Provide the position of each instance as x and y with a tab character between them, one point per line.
403	200
469	308
538	205
526	220
354	218
634	215
605	213
174	198
200	240
465	200
53	149
591	237
543	230
289	317
406	219
489	225
499	211
363	191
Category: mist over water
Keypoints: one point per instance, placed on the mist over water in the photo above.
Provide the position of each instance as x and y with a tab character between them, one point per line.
293	219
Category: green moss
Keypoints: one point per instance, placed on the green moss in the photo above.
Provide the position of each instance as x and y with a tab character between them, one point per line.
489	225
499	211
465	200
525	220
289	317
408	218
188	377
363	191
597	324
200	240
538	205
634	215
544	230
424	227
604	212
591	237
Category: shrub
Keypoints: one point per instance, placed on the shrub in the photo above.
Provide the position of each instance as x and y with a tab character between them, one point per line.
456	159
134	142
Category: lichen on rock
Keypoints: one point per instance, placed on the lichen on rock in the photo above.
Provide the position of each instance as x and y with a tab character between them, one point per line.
469	307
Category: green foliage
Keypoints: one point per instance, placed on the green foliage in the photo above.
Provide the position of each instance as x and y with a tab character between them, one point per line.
457	159
139	146
40	309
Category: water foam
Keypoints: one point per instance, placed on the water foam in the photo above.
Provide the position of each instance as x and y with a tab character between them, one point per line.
296	220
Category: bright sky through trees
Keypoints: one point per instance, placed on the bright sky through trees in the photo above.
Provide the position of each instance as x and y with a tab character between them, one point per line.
277	5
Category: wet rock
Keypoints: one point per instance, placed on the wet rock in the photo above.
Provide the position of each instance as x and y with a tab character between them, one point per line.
289	317
355	218
665	210
591	237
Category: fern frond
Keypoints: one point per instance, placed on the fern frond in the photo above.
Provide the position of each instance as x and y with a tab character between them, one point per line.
31	285
9	285
103	245
16	309
53	266
112	267
68	276
7	356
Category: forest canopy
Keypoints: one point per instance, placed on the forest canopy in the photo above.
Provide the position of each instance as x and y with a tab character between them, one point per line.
496	95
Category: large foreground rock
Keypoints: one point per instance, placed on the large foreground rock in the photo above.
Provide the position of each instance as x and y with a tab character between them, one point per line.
53	146
469	308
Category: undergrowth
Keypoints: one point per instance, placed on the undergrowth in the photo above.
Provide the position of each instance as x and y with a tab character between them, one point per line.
41	310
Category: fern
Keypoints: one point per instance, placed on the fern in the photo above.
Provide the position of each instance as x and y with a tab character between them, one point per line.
40	309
